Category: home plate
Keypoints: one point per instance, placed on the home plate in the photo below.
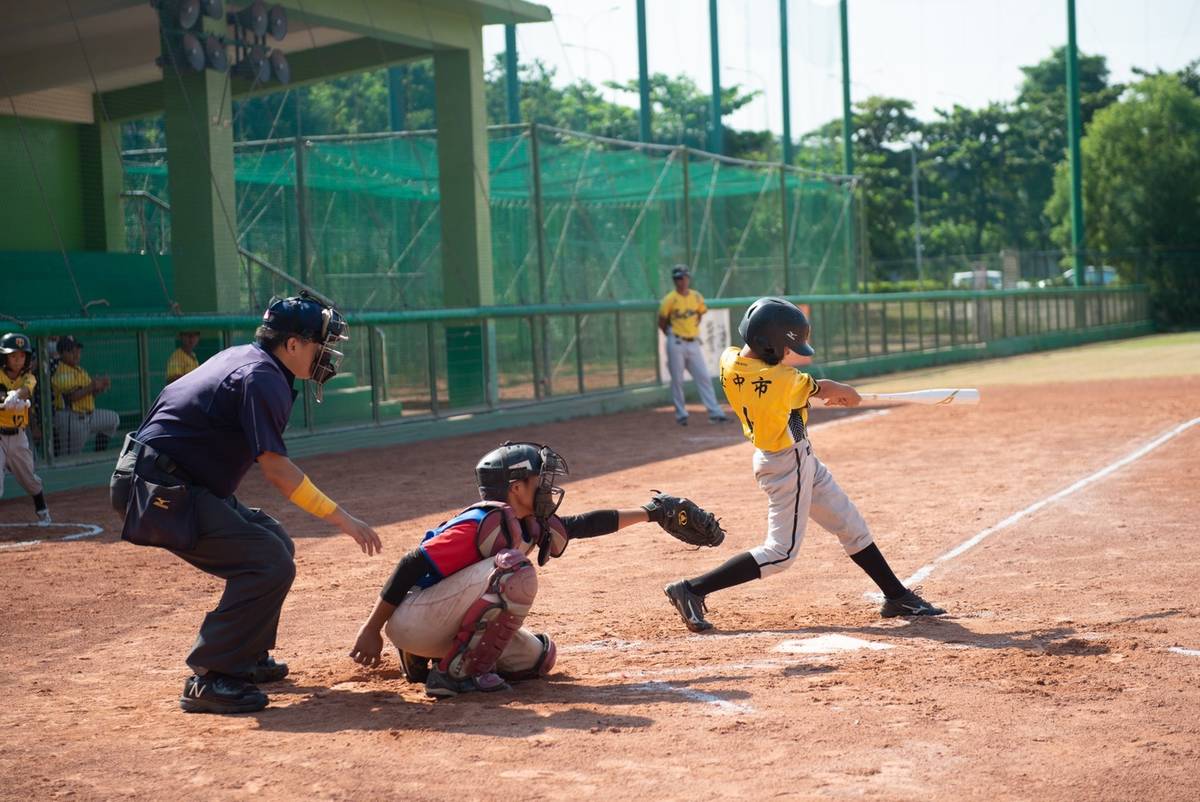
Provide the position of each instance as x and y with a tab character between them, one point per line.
828	644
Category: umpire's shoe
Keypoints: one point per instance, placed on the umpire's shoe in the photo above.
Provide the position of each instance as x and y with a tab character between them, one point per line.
220	693
910	604
266	670
689	604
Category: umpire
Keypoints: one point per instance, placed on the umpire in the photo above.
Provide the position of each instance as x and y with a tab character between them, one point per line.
174	486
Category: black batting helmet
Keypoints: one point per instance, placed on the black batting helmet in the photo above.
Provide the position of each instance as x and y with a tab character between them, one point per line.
513	462
773	325
15	341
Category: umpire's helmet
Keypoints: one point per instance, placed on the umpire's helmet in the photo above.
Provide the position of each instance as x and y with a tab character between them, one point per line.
308	317
513	462
773	325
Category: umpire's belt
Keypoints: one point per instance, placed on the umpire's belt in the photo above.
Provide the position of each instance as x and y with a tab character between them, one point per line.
161	461
10	430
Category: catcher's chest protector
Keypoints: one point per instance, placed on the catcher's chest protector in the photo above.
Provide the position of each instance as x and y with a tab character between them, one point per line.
499	529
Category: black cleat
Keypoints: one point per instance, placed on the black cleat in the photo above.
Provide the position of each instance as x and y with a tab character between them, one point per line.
440	685
415	667
688	604
266	670
681	421
220	693
910	604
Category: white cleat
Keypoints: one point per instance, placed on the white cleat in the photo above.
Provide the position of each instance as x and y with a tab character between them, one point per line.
44	518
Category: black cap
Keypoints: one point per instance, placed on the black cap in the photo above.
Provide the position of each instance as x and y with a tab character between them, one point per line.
68	343
679	271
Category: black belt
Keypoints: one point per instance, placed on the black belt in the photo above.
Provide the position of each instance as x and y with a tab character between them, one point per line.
10	429
685	339
161	461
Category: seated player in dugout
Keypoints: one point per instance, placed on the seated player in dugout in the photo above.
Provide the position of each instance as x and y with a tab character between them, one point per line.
182	360
460	598
771	397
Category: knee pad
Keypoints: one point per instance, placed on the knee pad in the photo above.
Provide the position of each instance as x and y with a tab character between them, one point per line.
541	668
494	618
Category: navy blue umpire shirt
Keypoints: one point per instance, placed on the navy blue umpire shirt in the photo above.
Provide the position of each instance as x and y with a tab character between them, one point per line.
217	420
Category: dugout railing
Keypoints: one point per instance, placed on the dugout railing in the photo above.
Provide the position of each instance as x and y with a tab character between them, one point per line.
545	362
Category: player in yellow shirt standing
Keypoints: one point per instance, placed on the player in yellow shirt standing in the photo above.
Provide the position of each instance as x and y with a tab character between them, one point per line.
17	384
183	360
679	317
771	397
75	415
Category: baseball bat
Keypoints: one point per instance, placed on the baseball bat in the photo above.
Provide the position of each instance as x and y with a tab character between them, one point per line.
934	398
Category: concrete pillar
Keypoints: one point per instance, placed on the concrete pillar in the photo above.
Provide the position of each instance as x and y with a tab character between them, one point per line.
466	219
101	185
198	111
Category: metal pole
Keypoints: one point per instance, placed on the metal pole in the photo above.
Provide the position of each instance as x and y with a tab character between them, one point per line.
916	189
579	352
301	203
431	353
716	138
643	75
783	213
397	98
372	363
539	223
687	207
620	353
511	86
1074	124
143	353
787	95
847	145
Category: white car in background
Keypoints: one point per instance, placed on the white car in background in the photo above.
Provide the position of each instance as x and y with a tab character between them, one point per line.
1092	277
965	280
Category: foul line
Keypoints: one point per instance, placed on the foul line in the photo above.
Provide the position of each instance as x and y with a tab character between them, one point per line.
1181	650
966	545
89	530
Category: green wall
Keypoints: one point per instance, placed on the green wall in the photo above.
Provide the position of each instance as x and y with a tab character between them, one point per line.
36	283
26	223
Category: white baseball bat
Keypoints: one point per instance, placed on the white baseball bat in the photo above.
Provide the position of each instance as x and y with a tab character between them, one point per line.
934	398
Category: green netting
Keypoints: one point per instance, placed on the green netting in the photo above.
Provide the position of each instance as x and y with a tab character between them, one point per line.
614	216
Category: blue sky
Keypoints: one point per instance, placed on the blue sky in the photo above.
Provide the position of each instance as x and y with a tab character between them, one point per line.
934	52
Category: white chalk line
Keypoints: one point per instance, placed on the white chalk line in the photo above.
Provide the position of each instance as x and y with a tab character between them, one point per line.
89	530
1181	650
721	706
1091	479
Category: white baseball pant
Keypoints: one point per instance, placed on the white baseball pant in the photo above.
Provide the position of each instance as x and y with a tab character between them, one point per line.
72	429
17	457
427	620
688	354
799	487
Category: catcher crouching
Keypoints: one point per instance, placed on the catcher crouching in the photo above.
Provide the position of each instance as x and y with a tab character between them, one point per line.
455	605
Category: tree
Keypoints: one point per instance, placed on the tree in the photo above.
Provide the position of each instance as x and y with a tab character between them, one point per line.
1141	187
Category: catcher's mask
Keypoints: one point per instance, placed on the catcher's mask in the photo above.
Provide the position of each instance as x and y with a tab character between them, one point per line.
513	462
316	321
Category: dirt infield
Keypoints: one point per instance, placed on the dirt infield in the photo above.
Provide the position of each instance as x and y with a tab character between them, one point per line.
1068	669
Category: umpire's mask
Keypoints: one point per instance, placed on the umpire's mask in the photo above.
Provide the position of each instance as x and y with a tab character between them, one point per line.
314	320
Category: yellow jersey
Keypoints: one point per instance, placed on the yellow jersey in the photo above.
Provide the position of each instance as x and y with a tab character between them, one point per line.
15	418
683	312
770	400
180	363
67	379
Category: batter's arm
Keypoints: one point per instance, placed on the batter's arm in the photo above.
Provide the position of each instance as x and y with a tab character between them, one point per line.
837	394
287	478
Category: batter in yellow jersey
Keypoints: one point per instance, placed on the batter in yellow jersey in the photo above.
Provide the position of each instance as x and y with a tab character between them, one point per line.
17	384
771	398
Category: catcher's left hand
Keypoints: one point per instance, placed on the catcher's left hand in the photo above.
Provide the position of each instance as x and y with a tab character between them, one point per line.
685	520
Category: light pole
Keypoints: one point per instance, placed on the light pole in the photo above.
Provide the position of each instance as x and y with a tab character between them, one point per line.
612	67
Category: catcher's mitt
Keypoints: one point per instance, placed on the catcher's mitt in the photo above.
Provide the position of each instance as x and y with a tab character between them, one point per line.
684	520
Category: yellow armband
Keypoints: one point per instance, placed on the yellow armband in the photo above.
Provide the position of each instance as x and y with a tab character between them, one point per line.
308	498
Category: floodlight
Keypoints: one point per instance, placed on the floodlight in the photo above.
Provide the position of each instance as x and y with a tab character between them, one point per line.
252	18
213	9
280	69
187	13
277	22
254	65
215	56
